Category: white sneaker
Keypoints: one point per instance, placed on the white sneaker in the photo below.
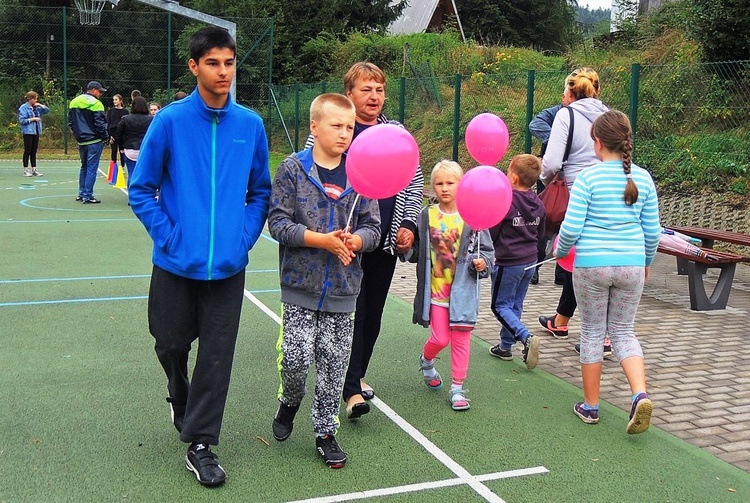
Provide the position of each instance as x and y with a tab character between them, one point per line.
36	173
27	172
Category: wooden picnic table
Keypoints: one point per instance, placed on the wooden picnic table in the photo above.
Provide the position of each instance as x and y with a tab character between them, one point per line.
695	267
709	236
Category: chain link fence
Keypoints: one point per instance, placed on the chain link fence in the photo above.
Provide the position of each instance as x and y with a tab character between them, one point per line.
692	122
47	50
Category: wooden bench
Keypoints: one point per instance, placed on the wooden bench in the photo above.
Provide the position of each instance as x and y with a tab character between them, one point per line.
695	267
709	236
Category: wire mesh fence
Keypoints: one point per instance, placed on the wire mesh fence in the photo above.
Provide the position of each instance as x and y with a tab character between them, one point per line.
692	122
47	50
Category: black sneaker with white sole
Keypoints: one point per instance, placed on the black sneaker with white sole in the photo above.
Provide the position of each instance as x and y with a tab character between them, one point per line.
503	354
205	465
331	452
283	422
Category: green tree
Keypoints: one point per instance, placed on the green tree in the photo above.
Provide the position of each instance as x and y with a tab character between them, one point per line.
722	29
299	21
543	24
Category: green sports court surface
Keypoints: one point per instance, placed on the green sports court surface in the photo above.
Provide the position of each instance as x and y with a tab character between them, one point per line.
83	416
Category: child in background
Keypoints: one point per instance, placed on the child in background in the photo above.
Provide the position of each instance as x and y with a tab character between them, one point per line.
613	221
451	257
320	271
515	239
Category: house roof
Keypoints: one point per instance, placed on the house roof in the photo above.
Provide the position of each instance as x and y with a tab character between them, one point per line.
416	16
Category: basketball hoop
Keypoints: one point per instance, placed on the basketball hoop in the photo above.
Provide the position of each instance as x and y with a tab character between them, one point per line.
90	11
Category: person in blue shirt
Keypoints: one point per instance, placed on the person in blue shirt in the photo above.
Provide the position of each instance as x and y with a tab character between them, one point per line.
30	120
613	222
207	158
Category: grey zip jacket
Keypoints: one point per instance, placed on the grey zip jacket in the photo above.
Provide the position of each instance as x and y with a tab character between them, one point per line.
464	303
311	277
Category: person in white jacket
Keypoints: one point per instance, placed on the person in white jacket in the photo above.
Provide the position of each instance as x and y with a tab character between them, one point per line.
581	95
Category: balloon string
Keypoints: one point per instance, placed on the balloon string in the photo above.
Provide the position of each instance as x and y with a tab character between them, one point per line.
479	288
351	214
540	263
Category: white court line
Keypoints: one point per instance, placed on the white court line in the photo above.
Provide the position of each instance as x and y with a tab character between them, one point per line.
262	307
410	488
464	477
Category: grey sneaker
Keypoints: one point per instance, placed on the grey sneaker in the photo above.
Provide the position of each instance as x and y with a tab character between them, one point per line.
531	351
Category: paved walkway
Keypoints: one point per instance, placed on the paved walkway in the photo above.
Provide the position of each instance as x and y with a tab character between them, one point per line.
697	363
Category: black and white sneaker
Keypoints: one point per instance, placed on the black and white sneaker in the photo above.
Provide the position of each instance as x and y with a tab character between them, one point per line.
205	465
503	354
283	423
331	452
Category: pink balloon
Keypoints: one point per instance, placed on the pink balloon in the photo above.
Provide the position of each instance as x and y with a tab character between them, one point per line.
483	197
382	161
569	259
487	138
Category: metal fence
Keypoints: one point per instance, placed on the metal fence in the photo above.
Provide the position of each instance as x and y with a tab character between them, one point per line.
690	121
48	51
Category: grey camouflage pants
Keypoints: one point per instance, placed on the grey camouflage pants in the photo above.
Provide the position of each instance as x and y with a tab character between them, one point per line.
324	339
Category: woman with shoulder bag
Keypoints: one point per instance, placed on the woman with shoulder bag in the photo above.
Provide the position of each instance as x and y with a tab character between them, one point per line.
581	103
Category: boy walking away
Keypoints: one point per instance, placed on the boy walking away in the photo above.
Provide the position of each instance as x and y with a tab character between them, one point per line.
451	258
515	239
320	270
208	158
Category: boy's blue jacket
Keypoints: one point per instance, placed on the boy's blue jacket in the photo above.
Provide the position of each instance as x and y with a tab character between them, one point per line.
464	302
314	278
26	112
211	170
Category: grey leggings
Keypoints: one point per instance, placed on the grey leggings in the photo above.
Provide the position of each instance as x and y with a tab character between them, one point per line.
607	302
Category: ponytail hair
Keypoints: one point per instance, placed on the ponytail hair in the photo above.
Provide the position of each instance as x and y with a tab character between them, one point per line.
612	128
583	83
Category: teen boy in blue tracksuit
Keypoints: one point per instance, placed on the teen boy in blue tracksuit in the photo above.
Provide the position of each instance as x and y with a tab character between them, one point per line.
208	159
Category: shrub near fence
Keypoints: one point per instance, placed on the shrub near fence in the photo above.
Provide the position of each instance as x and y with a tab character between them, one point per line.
692	122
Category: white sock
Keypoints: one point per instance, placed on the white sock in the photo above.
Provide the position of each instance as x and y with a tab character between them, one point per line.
431	373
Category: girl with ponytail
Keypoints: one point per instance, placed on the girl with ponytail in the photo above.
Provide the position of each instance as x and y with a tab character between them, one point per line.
613	221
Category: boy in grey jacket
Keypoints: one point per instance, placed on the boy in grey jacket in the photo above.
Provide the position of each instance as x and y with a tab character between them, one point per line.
319	269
